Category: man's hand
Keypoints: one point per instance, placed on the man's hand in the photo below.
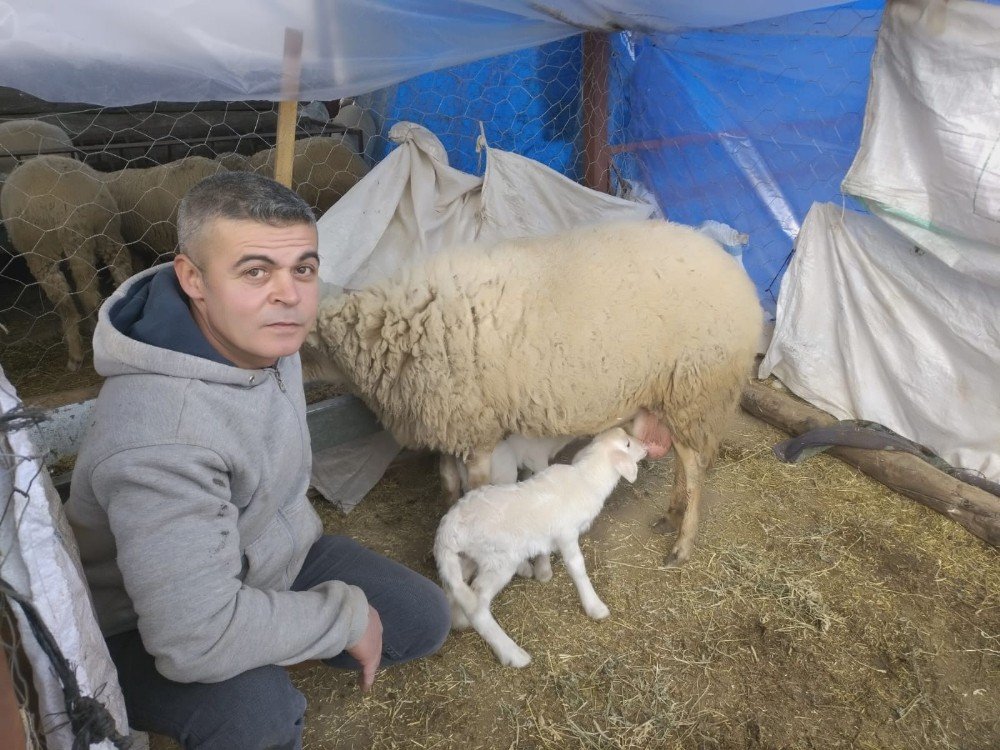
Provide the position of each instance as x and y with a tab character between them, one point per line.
368	651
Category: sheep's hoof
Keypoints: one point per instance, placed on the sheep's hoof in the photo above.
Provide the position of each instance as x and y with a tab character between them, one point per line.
676	558
74	363
664	526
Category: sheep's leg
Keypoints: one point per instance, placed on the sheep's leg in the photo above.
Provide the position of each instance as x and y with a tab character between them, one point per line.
479	464
46	271
84	273
678	501
573	559
115	256
487	585
451	480
693	477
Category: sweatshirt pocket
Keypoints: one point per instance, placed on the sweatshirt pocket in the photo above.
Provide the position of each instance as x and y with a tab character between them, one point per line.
275	557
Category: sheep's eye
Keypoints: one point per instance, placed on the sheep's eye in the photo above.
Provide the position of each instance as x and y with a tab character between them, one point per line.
628	444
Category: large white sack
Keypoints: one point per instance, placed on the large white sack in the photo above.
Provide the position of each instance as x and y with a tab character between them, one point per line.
414	204
40	560
870	327
929	159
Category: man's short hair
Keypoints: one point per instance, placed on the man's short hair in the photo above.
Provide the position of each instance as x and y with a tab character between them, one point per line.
239	196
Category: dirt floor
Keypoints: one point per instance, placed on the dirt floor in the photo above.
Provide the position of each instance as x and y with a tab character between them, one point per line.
820	610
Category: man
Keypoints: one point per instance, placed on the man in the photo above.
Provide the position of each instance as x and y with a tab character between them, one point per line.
206	562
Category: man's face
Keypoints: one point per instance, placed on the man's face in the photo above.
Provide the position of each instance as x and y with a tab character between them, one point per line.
256	291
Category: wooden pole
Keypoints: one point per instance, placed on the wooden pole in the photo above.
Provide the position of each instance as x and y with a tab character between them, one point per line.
288	107
975	509
596	62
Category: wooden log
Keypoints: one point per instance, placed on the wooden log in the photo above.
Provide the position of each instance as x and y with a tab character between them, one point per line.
975	509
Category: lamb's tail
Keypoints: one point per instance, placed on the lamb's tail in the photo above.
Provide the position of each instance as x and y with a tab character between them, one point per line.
450	570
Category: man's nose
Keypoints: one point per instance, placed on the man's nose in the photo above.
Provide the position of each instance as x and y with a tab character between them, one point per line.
284	289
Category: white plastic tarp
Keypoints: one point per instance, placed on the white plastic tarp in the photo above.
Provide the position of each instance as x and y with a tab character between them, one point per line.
410	206
929	159
116	52
870	327
39	559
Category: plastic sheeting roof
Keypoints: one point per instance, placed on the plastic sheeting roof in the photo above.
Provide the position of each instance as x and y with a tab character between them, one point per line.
118	52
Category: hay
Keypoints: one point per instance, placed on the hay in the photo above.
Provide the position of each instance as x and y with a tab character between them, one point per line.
819	610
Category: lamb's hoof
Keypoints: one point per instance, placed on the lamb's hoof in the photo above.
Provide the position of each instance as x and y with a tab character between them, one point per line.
525	570
518	658
543	568
664	526
599	611
74	363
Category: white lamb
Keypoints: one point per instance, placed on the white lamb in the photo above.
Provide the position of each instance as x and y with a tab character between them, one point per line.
533	454
491	530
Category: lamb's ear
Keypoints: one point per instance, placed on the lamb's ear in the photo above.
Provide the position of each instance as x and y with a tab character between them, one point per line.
623	462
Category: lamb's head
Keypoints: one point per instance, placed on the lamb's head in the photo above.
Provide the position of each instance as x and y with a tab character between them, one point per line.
621	450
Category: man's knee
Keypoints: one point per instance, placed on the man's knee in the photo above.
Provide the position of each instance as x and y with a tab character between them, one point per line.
433	618
260	710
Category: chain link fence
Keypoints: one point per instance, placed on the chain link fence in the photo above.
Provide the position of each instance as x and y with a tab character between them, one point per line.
745	126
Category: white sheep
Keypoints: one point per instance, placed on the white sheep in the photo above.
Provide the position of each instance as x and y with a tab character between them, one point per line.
323	169
148	200
495	527
561	335
58	210
20	139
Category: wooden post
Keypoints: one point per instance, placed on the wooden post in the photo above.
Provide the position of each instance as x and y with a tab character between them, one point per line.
596	62
975	509
288	107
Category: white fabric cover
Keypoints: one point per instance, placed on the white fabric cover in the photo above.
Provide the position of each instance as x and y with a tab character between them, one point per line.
39	559
413	204
870	327
115	52
929	160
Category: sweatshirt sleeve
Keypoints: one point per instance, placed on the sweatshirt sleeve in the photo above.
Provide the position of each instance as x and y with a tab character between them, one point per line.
179	555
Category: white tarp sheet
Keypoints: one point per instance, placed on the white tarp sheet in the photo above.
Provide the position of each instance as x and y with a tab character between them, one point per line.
116	52
929	160
410	206
869	327
38	557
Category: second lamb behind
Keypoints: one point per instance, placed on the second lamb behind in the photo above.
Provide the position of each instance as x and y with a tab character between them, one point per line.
491	530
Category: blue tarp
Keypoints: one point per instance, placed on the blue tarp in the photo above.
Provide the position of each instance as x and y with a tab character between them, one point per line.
747	125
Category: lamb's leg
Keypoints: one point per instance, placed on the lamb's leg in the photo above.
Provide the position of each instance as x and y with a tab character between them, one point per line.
488	583
542	565
573	558
47	272
693	475
459	620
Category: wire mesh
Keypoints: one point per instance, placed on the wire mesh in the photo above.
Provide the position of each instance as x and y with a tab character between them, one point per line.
747	126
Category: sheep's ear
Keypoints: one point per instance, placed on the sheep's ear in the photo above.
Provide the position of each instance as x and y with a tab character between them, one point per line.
623	462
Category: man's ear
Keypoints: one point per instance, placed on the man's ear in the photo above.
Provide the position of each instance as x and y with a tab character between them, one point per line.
189	277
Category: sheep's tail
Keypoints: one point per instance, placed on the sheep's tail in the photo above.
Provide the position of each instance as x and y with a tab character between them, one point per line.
450	570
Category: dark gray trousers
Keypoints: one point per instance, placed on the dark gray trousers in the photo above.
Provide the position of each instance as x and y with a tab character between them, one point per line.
260	708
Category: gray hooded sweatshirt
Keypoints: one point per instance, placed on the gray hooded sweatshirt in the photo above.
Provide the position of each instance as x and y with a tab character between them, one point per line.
188	498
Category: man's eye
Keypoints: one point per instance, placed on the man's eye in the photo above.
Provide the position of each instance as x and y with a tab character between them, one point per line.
306	270
255	273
